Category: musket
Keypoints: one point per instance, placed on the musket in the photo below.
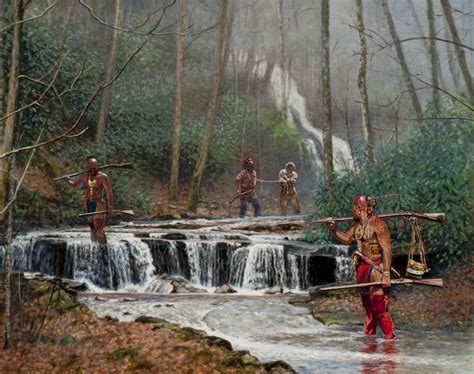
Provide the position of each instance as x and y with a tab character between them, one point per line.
436	217
126	212
127	165
265	181
435	282
239	195
369	262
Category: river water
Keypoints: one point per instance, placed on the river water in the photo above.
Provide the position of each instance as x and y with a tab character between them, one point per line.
239	252
272	329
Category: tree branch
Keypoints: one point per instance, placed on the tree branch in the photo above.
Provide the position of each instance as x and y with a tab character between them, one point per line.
67	133
29	19
15	194
426	38
40	97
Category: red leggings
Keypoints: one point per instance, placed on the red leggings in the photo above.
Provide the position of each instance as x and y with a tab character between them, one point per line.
376	306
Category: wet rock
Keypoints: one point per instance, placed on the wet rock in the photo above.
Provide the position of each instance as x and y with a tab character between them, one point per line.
249	360
219	342
148	319
165	288
180	289
112	319
128	299
338	317
225	288
299	300
274	290
279	367
174	236
77	286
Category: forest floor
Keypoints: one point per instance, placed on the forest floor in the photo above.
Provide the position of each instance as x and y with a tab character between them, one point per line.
412	308
59	335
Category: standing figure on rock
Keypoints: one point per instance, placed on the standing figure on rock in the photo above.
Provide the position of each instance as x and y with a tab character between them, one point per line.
287	178
94	184
373	241
245	184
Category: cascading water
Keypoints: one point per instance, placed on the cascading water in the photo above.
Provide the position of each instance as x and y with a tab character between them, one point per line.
132	263
298	115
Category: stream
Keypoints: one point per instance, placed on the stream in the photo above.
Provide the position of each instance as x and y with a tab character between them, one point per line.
249	255
272	329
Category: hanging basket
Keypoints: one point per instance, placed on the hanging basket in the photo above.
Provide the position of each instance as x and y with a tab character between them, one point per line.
416	269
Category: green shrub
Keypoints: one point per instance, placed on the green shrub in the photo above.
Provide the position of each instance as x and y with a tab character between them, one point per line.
432	170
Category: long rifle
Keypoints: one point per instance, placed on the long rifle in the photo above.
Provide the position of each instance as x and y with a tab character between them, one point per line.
436	217
240	195
127	165
369	262
126	212
435	282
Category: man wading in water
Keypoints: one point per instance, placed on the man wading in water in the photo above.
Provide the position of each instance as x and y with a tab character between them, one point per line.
94	185
373	241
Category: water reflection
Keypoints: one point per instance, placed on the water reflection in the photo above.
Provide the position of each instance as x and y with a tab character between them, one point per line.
378	364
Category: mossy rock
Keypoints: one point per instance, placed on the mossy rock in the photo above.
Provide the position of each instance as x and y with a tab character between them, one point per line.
337	318
279	367
148	319
67	340
248	359
219	342
190	333
121	353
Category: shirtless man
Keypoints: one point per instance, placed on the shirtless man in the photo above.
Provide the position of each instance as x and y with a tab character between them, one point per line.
373	241
94	185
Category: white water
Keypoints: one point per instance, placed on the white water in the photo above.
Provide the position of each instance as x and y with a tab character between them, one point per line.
272	329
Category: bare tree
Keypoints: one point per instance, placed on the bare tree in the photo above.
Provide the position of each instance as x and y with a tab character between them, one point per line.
284	67
457	48
109	73
412	9
402	61
11	102
178	105
433	53
362	82
328	161
219	52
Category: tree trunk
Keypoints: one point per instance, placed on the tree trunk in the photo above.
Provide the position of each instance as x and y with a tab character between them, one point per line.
7	329
368	132
401	60
451	55
106	96
193	198
433	53
11	102
284	67
326	97
425	42
458	49
178	106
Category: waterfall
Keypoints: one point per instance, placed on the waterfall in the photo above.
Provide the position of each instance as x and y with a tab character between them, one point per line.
132	263
297	113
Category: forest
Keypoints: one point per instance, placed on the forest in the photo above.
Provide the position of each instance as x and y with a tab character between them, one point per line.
366	97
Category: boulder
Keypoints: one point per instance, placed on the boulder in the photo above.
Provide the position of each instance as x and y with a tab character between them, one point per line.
274	290
225	288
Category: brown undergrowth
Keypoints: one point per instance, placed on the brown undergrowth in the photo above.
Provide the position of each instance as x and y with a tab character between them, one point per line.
71	338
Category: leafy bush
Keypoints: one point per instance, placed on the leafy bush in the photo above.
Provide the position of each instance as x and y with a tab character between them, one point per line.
432	170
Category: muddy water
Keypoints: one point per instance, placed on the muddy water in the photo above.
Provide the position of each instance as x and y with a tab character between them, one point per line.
272	329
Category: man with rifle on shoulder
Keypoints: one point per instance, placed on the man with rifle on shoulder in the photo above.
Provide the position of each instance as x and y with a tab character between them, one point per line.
373	242
245	185
94	184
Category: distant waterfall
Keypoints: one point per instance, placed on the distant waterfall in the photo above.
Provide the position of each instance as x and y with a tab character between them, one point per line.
297	113
131	263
